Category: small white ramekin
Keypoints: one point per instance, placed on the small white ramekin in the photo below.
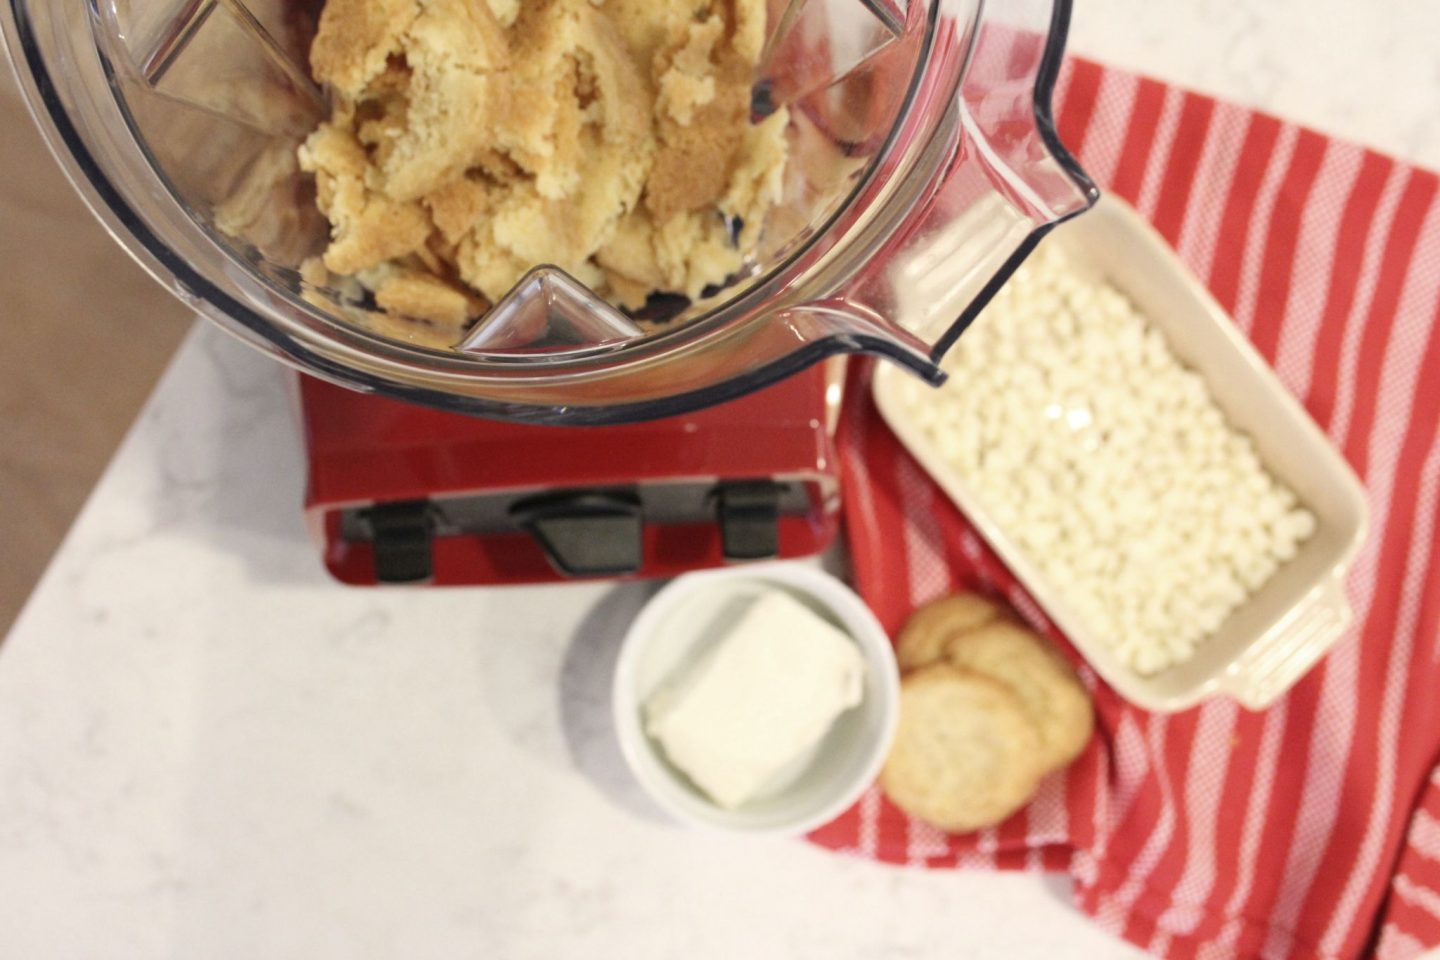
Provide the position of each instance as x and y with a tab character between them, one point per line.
676	625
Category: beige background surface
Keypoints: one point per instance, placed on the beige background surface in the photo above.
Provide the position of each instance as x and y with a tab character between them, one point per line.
86	335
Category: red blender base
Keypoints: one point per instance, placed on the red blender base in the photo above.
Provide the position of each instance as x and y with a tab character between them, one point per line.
405	494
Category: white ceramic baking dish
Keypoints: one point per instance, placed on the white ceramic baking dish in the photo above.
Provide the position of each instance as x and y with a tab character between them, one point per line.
1280	632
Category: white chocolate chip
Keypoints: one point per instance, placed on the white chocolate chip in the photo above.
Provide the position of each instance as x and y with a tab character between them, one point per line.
1102	456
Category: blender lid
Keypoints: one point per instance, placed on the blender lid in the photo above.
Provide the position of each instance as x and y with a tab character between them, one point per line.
924	166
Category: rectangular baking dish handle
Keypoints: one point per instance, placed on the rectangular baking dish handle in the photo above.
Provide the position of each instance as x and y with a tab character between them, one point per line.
1292	647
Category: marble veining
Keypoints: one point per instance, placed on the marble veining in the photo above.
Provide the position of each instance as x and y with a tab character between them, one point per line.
1368	72
208	749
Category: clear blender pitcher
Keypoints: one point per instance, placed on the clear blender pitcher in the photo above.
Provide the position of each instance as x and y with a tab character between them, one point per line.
923	167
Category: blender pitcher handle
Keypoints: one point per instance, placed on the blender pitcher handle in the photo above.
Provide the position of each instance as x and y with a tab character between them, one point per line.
1003	181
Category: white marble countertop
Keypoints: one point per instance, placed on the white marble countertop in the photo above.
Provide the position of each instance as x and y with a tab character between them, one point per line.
207	749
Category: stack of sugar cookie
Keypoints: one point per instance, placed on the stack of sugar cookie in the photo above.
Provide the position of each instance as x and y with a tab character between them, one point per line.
986	710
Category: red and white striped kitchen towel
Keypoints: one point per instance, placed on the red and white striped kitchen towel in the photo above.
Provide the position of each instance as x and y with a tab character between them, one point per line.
1311	829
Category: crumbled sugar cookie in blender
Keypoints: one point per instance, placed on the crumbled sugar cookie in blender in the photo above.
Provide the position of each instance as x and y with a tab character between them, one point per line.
470	141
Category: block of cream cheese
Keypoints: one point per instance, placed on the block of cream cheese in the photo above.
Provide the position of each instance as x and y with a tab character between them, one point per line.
767	691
